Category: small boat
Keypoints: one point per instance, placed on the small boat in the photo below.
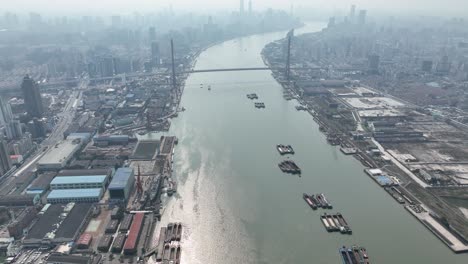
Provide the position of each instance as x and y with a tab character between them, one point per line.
167	252
170	226
178	253
179	232
343	255
363	252
173	253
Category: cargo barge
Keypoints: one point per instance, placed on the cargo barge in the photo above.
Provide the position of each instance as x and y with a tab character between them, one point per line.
289	166
259	105
252	96
307	199
285	149
335	223
353	255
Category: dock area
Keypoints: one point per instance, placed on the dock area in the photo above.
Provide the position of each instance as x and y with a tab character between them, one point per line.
349	151
453	241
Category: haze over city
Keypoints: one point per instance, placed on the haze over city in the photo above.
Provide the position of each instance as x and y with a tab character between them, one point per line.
240	131
433	7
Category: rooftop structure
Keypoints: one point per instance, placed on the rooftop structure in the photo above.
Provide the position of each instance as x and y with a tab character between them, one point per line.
75	195
57	223
63	173
79	182
68	259
134	234
41	183
58	156
122	183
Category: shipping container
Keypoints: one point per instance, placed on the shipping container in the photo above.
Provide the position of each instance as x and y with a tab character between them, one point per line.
126	222
105	243
119	242
111	227
84	241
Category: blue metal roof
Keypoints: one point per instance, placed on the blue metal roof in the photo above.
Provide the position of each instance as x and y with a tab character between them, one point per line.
74	193
79	179
120	179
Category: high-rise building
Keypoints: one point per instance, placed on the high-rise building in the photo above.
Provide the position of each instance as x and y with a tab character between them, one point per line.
426	66
250	7
331	22
352	12
362	17
152	34
374	61
116	21
155	56
5	162
32	97
241	8
5	112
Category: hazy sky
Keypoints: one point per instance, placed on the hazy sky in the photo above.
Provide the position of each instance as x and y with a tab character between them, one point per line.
128	6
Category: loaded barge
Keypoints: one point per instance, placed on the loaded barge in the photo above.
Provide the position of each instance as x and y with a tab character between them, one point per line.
289	166
319	200
336	222
353	255
309	201
252	96
259	105
285	149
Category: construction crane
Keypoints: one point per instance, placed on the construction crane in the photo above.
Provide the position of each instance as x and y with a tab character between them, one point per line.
139	185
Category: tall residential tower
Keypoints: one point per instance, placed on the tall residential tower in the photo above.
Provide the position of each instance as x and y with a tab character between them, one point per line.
32	97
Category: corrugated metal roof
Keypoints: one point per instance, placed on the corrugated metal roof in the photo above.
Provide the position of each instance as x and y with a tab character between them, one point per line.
64	173
74	193
79	179
134	232
120	178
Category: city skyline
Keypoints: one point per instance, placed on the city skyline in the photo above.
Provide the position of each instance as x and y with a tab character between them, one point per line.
433	7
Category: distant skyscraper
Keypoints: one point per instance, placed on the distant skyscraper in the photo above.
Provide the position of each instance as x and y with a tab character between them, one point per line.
241	8
426	66
32	97
374	61
155	53
352	12
152	34
362	17
331	22
250	7
5	162
116	21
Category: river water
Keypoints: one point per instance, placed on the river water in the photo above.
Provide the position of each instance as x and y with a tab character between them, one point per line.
235	203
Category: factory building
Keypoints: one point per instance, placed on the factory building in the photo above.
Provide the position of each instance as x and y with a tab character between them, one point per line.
105	140
59	155
79	182
75	195
41	184
122	184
